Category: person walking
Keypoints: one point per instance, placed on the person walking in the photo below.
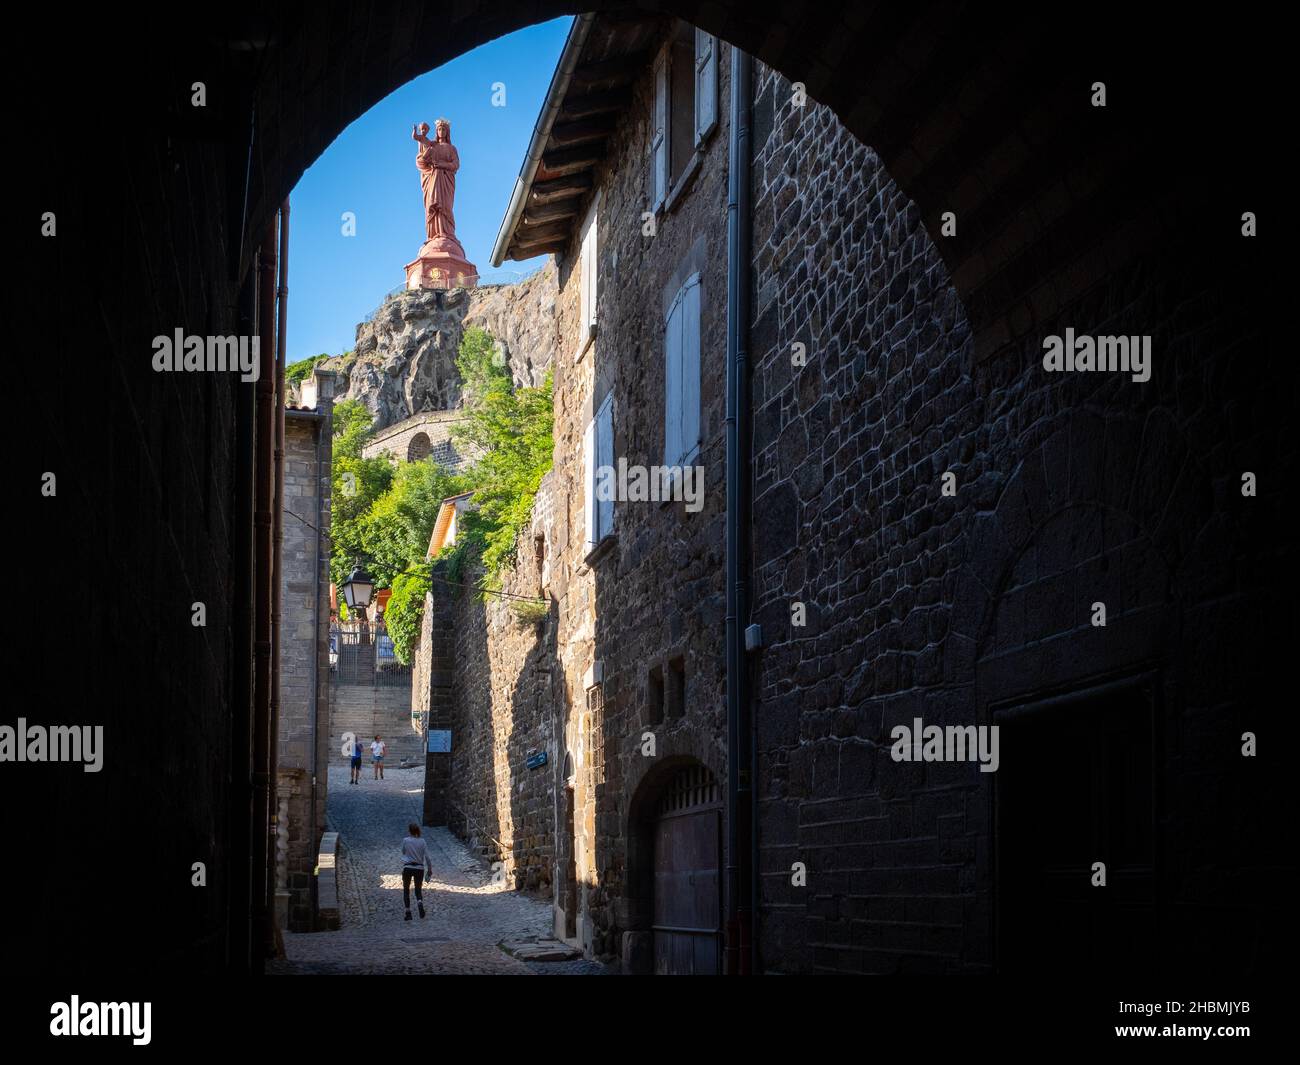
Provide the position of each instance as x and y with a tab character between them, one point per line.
377	757
356	761
415	863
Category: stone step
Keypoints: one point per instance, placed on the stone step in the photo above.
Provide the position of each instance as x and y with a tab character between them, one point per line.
532	949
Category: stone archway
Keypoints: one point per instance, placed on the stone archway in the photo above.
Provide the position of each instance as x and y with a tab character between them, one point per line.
419	447
674	866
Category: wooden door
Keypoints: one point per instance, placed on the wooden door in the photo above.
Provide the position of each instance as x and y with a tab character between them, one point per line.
687	876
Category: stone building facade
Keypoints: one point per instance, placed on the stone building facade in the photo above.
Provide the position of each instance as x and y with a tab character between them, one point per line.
936	520
304	720
630	647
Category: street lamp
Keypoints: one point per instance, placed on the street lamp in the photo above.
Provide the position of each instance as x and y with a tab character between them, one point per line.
357	590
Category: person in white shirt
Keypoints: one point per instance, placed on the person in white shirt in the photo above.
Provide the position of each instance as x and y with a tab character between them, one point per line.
377	757
415	863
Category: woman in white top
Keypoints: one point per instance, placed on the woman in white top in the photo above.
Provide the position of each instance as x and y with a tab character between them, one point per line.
415	862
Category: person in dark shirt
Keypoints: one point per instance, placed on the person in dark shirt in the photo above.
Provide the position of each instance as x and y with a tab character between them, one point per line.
356	762
415	863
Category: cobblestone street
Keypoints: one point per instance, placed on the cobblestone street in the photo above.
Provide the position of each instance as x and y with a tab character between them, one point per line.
467	918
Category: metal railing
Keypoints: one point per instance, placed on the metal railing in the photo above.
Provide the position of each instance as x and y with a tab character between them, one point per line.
366	656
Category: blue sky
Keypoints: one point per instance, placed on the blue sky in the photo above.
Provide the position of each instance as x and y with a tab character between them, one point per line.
335	281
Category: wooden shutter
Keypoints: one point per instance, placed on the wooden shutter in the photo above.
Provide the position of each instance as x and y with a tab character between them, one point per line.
589	479
706	84
605	457
690	373
673	382
659	138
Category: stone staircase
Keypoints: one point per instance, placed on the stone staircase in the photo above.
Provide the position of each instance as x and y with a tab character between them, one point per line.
366	712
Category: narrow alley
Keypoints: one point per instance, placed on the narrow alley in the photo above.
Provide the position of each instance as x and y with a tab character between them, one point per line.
468	917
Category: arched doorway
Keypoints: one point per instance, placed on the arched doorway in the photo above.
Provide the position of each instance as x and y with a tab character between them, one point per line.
675	871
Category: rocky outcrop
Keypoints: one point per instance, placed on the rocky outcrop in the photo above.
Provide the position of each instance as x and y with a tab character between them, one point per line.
404	360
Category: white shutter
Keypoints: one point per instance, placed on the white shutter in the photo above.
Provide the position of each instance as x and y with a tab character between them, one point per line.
589	479
706	84
605	457
659	136
690	315
673	383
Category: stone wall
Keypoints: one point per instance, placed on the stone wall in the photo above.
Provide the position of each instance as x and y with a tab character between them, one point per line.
435	427
304	653
1071	489
502	712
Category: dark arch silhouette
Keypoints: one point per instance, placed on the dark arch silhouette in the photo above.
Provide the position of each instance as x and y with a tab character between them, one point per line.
975	109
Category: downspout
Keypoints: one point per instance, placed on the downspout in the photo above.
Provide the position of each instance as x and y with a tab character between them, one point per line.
262	519
564	68
323	426
240	892
277	532
740	777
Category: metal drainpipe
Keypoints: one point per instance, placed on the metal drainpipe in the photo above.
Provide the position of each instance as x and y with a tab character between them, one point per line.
277	533
740	813
323	426
240	894
265	456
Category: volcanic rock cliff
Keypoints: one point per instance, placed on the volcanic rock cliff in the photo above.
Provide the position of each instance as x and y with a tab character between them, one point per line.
404	360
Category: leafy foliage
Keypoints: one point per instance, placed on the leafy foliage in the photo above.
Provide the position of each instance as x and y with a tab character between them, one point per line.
394	532
511	429
297	372
406	608
357	483
384	513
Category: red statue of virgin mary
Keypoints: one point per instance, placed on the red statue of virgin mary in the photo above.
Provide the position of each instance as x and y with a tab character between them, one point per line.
441	262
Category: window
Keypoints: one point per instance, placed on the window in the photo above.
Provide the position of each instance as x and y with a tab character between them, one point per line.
654	709
682	376
676	707
587	281
686	108
598	453
596	733
539	557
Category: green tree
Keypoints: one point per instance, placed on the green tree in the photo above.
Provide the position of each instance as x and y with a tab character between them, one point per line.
395	530
297	372
406	609
511	430
357	483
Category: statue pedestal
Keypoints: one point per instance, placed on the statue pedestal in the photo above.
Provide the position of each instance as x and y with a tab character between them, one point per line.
441	264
